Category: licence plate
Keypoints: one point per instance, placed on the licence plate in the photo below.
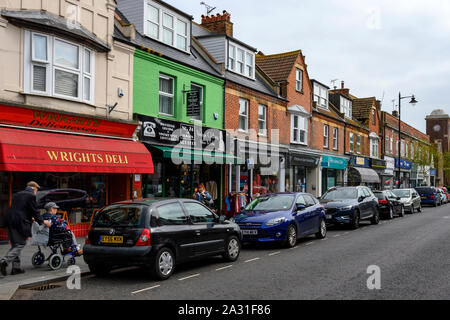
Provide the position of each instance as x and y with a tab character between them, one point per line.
424	198
329	216
111	239
250	232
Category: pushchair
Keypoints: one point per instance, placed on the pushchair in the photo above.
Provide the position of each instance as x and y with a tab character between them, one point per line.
58	243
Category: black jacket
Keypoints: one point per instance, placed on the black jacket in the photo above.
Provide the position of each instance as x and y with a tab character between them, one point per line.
23	209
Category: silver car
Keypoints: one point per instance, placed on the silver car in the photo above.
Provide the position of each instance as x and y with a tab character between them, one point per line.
410	198
441	193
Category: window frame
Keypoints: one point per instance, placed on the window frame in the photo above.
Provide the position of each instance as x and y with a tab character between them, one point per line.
166	77
265	131
326	136
318	98
158	215
234	60
358	144
30	61
201	205
335	138
247	105
296	138
201	100
351	141
298	81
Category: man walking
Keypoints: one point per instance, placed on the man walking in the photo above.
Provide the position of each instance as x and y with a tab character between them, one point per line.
18	222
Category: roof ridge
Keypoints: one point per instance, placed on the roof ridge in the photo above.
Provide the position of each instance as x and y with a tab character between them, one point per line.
277	55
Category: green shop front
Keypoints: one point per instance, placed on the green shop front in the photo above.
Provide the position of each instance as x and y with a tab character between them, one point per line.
333	171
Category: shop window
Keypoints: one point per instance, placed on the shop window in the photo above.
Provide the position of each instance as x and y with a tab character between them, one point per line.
59	68
198	213
166	95
264	183
171	214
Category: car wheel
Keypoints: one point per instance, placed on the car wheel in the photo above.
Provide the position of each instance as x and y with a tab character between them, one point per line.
376	217
419	209
100	270
233	249
391	213
402	212
412	209
164	264
355	223
291	237
322	230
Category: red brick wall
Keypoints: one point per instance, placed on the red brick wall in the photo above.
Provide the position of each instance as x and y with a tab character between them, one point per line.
277	116
316	136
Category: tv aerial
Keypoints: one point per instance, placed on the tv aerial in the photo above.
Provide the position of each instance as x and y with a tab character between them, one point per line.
209	8
333	82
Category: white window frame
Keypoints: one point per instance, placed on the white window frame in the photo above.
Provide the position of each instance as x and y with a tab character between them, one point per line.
387	145
335	138
172	95
346	107
299	80
406	150
374	148
234	59
392	145
326	136
264	131
30	61
246	115
302	126
358	144
176	17
352	142
318	97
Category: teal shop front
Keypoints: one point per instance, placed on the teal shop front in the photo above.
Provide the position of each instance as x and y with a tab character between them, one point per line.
333	172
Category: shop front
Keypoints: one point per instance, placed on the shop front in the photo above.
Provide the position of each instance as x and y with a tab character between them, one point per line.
302	170
387	176
184	156
333	172
403	178
361	173
80	172
433	174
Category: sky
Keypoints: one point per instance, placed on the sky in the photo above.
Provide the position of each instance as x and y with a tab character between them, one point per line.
377	47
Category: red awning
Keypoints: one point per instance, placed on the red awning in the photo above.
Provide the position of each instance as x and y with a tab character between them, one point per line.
31	151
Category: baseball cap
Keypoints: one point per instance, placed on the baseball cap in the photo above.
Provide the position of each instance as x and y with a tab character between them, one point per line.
51	205
33	185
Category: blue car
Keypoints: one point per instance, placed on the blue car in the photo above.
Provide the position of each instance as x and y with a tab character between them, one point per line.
282	217
429	195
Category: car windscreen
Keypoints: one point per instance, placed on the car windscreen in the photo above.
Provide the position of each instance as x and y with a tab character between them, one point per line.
402	193
119	216
272	203
341	194
379	195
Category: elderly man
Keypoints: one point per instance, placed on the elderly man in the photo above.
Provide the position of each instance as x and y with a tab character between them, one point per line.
18	222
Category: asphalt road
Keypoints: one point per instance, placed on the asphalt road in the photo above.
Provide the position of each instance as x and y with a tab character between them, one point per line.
413	254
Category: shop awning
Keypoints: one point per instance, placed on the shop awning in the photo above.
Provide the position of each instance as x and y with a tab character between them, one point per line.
199	155
367	175
31	151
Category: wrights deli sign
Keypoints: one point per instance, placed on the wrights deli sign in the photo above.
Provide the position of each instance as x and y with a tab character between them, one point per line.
63	122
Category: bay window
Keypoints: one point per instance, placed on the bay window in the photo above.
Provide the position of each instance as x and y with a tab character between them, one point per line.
58	68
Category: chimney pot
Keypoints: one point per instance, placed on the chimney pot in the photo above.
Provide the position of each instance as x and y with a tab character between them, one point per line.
342	85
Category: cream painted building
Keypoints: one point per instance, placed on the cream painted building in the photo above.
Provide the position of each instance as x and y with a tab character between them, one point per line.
61	55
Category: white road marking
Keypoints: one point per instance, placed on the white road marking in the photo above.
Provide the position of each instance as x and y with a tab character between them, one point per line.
185	278
252	260
338	235
274	253
309	243
147	289
223	268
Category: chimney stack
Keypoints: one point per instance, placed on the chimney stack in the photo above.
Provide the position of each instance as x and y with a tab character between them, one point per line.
342	85
220	23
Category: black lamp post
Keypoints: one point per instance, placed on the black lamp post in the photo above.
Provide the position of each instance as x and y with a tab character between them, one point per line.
413	102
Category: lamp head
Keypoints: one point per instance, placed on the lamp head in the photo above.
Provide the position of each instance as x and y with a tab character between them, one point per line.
413	101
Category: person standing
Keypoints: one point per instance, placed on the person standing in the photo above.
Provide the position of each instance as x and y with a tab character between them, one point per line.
203	196
18	223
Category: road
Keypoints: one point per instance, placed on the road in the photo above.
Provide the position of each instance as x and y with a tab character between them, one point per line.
413	254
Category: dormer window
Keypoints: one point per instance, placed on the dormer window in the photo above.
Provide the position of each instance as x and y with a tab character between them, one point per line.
168	27
321	96
241	60
346	107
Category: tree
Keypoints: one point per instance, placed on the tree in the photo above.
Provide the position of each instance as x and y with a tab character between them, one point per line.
426	156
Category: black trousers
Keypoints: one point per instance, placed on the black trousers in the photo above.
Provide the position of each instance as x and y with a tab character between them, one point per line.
18	242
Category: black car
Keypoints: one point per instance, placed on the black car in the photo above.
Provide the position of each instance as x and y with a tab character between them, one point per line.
389	204
157	235
66	199
350	205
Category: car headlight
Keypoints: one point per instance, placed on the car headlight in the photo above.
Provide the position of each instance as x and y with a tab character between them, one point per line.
276	221
346	208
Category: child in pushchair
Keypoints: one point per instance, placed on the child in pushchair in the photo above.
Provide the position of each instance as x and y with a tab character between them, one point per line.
57	237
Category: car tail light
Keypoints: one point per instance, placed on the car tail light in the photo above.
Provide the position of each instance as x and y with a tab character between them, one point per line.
144	238
432	197
383	202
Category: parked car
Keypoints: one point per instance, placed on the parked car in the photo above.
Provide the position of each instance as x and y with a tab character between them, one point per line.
446	193
429	195
282	217
410	199
389	204
158	235
350	205
442	195
66	199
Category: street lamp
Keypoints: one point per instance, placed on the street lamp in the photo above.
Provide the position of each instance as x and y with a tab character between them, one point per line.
413	102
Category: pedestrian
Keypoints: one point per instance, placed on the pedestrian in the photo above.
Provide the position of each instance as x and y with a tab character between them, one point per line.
203	196
18	223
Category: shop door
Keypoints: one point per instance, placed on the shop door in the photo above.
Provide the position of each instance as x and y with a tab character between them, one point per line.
119	187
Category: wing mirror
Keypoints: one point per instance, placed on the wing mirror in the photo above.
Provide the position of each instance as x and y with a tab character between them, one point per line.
398	198
361	199
301	207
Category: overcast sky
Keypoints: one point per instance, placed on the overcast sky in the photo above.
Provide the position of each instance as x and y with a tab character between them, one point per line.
378	47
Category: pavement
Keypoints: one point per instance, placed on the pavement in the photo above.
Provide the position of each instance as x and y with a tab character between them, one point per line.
34	276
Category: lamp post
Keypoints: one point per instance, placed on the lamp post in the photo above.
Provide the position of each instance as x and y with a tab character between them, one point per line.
413	102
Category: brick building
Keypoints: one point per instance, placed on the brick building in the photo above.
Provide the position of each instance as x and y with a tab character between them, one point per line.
438	128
